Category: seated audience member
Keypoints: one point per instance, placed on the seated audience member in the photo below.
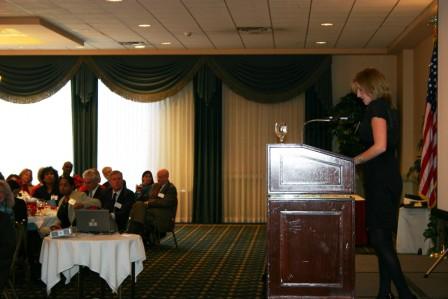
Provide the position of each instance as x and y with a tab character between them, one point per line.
72	200
2	178
142	190
67	168
163	194
106	173
26	177
20	212
7	232
50	187
119	200
14	177
91	186
38	185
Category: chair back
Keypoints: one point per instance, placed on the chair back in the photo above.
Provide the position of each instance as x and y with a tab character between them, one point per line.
165	218
20	241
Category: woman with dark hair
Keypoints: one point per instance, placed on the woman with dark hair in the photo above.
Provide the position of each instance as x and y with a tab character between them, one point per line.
7	232
142	190
49	189
379	134
72	200
20	212
66	188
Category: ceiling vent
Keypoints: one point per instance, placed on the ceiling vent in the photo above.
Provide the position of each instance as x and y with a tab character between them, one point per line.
254	29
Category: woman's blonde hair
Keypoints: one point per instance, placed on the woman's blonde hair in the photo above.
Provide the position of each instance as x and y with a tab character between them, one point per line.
9	197
372	82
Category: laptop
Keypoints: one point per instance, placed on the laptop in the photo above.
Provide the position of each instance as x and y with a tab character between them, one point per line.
95	221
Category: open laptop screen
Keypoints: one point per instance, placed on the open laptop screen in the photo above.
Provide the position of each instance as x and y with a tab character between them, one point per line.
95	221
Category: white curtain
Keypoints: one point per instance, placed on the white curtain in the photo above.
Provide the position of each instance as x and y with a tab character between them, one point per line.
36	135
134	137
247	128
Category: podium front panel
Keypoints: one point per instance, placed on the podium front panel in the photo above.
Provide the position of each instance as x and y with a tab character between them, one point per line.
310	247
310	223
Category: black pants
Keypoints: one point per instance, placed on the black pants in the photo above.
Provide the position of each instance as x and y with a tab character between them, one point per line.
389	266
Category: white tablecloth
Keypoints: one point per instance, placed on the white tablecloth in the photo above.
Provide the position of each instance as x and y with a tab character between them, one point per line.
412	222
40	221
108	255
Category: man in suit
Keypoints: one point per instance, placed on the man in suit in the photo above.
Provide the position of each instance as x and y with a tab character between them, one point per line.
119	200
67	168
163	194
92	187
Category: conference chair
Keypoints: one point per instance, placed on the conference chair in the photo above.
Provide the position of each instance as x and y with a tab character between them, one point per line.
20	243
164	222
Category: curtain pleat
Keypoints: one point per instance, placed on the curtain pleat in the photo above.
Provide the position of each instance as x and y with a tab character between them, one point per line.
145	78
134	137
318	105
269	78
207	191
31	79
247	128
85	119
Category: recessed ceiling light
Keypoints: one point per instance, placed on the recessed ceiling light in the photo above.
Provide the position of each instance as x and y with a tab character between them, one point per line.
144	25
321	43
139	46
114	0
165	43
327	24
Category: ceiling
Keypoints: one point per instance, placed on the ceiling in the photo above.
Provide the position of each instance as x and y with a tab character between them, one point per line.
100	26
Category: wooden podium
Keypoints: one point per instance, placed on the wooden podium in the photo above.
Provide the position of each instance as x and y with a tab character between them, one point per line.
311	223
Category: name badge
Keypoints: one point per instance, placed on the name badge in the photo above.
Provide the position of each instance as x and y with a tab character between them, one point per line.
71	202
118	205
161	195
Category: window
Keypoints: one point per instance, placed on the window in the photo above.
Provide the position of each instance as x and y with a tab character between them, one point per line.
134	137
36	135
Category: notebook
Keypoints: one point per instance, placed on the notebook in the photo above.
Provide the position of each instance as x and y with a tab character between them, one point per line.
95	221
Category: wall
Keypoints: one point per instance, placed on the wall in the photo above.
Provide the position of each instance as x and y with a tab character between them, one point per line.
406	108
442	142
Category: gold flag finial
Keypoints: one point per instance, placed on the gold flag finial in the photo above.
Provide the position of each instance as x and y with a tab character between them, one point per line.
433	22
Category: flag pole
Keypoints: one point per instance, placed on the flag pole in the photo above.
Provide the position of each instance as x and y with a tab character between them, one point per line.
444	252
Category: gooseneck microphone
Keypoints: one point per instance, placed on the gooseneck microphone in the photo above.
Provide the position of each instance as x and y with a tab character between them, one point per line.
327	119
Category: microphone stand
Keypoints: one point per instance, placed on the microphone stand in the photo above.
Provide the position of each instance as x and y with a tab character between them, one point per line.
320	120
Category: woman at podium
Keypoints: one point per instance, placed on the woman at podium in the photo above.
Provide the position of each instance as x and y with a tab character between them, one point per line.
379	133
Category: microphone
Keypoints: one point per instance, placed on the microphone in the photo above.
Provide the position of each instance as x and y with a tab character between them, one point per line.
327	119
337	118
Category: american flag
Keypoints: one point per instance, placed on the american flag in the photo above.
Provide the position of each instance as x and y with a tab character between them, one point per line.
428	173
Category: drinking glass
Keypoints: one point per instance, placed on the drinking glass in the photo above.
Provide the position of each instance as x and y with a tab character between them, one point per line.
281	129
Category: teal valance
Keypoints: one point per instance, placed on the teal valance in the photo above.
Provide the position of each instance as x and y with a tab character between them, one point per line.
29	79
261	78
270	78
145	78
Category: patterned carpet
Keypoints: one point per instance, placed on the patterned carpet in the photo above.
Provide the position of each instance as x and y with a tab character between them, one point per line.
212	261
